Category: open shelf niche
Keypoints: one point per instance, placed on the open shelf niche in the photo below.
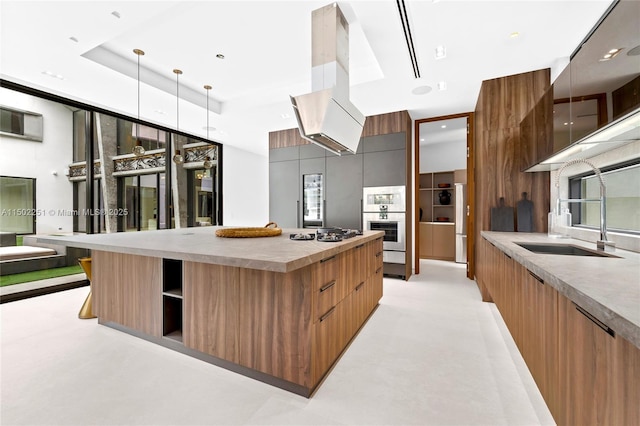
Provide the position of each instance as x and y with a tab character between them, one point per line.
431	208
172	299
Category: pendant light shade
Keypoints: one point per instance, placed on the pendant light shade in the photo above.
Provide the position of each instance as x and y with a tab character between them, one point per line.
138	149
177	156
207	164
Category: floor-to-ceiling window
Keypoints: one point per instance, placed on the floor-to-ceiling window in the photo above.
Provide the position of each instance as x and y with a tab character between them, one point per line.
201	197
142	198
17	205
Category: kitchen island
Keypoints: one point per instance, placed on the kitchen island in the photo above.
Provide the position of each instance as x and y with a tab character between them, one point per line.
274	309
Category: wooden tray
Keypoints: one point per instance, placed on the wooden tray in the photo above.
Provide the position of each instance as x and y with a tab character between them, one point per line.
267	231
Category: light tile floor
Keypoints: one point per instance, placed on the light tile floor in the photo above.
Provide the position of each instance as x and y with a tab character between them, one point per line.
431	354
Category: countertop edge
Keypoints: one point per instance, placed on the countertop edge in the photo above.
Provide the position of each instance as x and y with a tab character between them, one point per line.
623	326
332	249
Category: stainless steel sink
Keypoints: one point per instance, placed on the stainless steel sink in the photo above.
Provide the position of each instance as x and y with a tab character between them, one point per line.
563	249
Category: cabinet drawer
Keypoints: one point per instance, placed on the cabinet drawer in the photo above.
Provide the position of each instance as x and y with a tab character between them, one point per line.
325	298
326	341
326	271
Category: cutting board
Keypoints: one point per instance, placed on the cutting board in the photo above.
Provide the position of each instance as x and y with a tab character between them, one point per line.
502	218
524	214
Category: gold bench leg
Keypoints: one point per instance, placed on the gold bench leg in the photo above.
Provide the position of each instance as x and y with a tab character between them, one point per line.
86	311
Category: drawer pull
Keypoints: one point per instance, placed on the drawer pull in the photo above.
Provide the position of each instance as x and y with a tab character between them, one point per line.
359	286
535	276
328	314
360	246
378	254
327	259
378	270
595	320
327	286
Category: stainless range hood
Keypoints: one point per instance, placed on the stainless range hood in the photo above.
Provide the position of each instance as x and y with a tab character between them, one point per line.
326	116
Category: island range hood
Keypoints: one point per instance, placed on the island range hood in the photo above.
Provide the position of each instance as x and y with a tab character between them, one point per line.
326	116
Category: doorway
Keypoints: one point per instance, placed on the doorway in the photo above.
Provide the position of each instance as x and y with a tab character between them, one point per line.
444	187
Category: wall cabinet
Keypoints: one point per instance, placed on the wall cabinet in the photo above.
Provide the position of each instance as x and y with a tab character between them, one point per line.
585	372
380	161
284	191
344	191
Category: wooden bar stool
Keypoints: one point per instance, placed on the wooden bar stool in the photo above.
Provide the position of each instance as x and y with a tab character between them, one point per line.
86	311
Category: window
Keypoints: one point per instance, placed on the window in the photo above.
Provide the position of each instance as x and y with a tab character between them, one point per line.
622	183
17	205
21	124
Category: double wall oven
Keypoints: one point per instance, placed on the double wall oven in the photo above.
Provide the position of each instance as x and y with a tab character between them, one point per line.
384	210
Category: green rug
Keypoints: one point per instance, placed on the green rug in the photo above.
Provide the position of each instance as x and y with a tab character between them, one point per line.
39	275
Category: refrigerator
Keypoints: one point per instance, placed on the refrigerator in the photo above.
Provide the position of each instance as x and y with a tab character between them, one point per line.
461	222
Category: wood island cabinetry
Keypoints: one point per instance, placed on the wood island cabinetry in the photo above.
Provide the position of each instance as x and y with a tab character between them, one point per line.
284	328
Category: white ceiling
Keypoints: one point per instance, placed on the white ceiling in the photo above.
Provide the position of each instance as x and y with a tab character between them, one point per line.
267	55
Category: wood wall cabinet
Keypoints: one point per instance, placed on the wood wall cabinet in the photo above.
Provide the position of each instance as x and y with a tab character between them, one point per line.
586	374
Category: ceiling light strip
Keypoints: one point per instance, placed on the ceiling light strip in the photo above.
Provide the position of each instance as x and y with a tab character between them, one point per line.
402	10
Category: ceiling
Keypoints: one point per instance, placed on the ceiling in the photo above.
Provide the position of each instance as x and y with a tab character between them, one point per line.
267	56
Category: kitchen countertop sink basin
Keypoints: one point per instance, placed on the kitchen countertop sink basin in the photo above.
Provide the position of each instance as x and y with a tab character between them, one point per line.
563	249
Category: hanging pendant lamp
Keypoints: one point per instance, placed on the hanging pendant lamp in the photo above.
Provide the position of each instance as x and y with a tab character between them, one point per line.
177	157
138	149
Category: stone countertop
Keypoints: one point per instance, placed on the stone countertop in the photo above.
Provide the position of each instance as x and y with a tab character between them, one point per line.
200	244
607	287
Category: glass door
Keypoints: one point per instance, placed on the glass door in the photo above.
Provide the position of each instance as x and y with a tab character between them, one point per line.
312	205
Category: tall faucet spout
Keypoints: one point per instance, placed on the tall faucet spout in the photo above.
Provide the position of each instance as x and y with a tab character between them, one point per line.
603	243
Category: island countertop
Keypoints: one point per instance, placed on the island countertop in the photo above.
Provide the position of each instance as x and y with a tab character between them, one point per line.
200	244
608	287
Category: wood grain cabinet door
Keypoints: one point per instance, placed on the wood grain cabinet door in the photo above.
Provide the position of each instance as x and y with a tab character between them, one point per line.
586	369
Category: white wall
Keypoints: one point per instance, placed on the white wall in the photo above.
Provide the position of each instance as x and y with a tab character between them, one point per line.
245	188
28	159
442	157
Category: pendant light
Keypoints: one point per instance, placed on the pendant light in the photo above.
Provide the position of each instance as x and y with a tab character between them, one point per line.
207	88
177	157
138	150
207	164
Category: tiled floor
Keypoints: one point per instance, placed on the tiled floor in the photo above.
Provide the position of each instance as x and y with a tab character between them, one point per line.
432	354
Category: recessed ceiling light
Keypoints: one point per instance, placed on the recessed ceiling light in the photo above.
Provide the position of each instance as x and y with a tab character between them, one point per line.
442	85
116	14
444	126
441	52
53	75
634	51
421	139
514	34
220	56
421	90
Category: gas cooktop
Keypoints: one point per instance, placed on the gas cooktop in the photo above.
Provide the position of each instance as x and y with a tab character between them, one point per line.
336	234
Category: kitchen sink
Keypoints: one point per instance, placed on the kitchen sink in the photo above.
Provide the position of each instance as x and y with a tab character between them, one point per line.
563	249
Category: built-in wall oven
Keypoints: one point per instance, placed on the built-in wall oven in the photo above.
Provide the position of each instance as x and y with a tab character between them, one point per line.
384	210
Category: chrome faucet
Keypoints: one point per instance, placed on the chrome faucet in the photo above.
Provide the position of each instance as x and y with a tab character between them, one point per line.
603	243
